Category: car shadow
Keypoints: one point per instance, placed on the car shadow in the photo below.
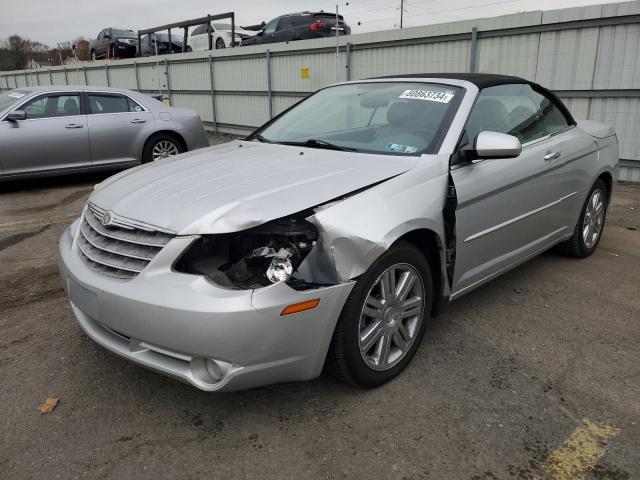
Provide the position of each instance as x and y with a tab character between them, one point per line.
55	182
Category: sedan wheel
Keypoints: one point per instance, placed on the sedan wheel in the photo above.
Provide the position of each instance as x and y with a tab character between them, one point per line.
161	145
588	231
593	219
383	320
164	149
220	43
391	317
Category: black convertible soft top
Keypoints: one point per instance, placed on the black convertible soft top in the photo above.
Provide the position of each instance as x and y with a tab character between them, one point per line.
481	80
484	80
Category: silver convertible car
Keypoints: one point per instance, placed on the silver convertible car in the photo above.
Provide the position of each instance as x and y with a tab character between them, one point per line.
60	130
333	233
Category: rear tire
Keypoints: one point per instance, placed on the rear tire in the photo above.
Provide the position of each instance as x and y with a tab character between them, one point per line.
359	353
220	43
161	146
590	226
189	49
93	55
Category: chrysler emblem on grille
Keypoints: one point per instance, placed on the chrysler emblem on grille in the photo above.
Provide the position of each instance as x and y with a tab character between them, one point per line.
106	218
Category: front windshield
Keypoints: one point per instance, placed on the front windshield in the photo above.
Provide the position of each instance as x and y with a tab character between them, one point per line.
8	99
123	34
383	117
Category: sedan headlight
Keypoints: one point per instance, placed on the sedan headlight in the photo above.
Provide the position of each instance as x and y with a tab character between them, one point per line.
261	256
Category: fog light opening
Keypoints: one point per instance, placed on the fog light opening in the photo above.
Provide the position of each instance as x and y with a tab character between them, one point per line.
207	370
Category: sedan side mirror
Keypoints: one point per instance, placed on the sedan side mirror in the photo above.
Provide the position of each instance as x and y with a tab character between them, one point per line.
489	145
17	115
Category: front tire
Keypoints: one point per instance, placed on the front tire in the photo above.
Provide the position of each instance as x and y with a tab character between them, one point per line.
588	231
93	55
220	43
161	146
383	320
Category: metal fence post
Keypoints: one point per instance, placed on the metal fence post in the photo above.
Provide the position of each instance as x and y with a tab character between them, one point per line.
213	98
86	79
166	72
473	50
50	77
269	92
37	78
135	66
106	71
348	66
26	78
66	78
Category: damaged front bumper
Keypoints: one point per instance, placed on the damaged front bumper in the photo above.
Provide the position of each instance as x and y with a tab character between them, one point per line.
175	323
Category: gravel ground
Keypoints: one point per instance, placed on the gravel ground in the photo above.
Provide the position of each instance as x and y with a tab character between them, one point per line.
501	380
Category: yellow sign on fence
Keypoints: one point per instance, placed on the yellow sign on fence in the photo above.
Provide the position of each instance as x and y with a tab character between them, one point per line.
304	72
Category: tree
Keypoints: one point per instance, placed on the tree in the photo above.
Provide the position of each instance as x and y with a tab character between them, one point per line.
81	49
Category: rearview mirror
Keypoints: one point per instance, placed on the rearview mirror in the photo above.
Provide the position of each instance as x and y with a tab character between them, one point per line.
17	115
489	145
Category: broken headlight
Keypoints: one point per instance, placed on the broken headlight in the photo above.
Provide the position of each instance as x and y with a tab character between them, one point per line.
261	256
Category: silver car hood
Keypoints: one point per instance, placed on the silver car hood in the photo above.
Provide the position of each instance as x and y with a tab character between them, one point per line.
239	185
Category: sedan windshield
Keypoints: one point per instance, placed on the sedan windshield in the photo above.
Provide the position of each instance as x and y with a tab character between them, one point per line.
123	34
393	118
8	99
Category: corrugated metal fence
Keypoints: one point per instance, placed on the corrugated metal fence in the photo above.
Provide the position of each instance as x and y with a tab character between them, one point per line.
590	56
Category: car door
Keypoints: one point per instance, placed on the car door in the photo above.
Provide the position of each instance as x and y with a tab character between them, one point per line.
53	136
270	33
117	128
102	43
199	38
511	209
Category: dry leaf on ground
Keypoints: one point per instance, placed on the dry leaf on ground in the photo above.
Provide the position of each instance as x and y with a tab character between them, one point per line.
48	405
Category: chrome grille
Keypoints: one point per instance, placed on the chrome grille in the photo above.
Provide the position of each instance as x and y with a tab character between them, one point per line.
121	249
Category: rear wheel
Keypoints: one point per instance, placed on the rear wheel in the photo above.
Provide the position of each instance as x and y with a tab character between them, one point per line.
220	43
93	55
384	319
588	231
161	146
189	49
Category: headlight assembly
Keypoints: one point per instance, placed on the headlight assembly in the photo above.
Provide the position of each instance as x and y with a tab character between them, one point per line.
261	256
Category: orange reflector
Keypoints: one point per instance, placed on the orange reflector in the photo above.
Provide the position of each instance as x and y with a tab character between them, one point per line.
300	307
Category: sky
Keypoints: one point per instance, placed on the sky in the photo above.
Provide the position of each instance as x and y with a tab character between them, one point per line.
52	21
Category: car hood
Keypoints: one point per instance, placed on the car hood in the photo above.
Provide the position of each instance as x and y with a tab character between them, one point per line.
239	185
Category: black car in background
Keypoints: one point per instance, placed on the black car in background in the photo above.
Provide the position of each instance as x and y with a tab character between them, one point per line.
158	44
114	42
299	26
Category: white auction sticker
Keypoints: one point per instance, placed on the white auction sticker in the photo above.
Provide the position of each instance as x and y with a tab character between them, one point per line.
428	95
16	95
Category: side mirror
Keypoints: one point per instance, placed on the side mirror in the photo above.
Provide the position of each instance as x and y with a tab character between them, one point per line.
260	33
17	115
488	145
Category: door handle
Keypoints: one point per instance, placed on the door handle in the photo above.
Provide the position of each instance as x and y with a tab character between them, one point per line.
138	120
552	156
74	125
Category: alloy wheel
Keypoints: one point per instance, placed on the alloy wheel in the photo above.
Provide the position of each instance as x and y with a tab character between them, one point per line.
391	316
593	219
164	149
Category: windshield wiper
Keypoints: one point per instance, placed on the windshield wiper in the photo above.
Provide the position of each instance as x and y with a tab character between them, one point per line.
315	143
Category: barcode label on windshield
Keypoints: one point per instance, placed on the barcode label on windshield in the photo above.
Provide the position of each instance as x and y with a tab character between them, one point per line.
442	97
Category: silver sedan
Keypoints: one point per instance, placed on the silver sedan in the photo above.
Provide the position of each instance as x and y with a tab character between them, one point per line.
58	130
331	234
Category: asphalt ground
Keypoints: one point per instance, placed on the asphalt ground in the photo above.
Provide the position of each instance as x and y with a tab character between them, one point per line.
535	375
